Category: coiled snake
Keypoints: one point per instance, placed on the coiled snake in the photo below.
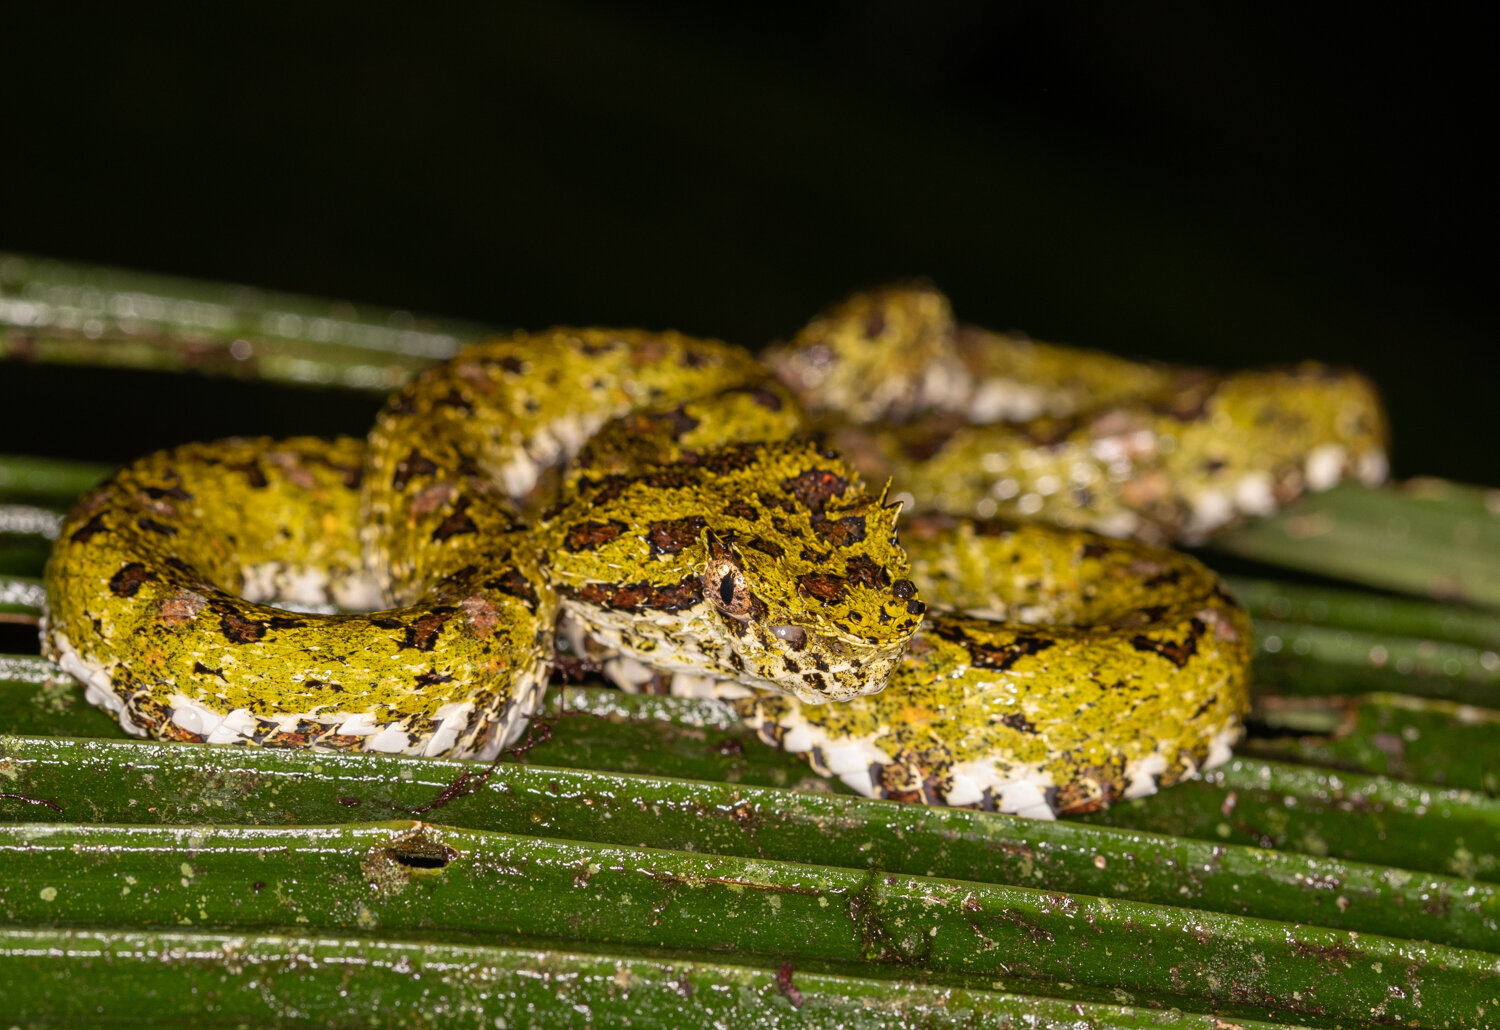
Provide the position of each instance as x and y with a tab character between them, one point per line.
655	504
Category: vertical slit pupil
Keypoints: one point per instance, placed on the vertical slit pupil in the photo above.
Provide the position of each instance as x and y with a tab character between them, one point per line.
726	589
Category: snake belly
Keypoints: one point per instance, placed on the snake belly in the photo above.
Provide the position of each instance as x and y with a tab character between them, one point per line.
659	494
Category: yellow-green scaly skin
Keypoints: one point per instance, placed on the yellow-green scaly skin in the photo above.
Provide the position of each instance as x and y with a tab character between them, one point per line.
826	601
146	606
424	523
1087	670
992	424
655	497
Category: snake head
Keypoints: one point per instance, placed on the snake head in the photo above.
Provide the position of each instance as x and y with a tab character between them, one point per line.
806	584
764	564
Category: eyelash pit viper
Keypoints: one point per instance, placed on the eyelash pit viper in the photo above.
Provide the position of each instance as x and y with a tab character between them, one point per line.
689	517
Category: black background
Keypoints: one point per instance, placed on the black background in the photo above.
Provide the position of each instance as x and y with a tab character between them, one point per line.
1226	184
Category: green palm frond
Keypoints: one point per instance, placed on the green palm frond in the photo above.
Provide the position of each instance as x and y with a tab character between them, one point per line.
647	860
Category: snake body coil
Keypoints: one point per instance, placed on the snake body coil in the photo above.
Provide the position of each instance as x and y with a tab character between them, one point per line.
656	492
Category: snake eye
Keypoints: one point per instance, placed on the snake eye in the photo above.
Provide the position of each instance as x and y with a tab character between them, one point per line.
794	637
725	587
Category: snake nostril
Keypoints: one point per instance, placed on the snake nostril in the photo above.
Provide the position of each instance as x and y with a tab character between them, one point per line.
794	637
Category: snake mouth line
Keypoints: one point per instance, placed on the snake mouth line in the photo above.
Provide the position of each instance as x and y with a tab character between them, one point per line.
647	653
